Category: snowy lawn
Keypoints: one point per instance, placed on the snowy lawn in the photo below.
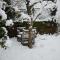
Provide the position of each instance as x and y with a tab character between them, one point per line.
47	47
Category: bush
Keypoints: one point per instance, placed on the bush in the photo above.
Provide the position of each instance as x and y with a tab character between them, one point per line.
20	24
2	23
11	13
45	27
12	31
41	27
2	32
2	45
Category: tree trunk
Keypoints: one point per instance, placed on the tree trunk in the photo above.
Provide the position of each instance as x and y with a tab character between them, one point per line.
30	38
30	26
30	34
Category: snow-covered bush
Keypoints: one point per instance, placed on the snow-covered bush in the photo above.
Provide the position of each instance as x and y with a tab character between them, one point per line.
2	4
5	30
46	10
9	23
8	42
52	8
11	28
25	17
8	2
10	12
5	42
3	15
2	32
2	42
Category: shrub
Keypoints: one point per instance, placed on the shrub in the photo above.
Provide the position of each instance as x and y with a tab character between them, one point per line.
45	27
21	24
2	23
41	27
2	32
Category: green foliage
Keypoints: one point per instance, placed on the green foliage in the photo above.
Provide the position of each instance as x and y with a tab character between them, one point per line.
2	44
11	12
2	32
24	24
41	27
2	23
45	27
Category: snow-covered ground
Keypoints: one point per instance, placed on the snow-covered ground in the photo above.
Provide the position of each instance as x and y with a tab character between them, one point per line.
47	47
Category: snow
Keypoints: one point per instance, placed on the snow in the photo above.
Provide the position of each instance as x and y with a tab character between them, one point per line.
1	3
50	5
2	13
33	1
47	47
25	17
8	42
16	8
44	10
9	22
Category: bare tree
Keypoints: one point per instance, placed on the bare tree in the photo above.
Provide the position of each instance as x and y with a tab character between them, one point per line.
29	12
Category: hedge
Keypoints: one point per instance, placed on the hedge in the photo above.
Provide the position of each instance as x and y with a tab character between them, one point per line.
41	27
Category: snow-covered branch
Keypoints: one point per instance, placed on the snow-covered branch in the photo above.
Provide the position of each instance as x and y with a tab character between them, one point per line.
35	3
46	10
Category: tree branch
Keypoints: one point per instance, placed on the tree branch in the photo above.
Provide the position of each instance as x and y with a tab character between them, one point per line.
37	16
39	13
35	3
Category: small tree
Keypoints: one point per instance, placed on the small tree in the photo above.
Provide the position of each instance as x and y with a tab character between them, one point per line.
30	10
